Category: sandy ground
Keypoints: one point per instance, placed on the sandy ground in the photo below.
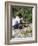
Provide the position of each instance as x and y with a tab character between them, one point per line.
16	33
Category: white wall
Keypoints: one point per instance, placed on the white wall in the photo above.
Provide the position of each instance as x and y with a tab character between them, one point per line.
2	22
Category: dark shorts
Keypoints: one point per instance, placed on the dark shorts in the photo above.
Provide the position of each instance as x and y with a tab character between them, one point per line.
16	26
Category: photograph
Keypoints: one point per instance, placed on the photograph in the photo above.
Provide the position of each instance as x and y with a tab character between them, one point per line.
21	22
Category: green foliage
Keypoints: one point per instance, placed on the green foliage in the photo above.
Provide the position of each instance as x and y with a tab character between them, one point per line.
26	13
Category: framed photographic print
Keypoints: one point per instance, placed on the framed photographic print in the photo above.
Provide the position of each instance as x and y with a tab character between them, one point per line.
20	22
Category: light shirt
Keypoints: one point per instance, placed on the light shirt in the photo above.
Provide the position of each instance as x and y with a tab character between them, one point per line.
14	20
17	19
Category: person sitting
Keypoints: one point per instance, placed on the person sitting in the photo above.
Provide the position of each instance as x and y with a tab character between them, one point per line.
17	21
